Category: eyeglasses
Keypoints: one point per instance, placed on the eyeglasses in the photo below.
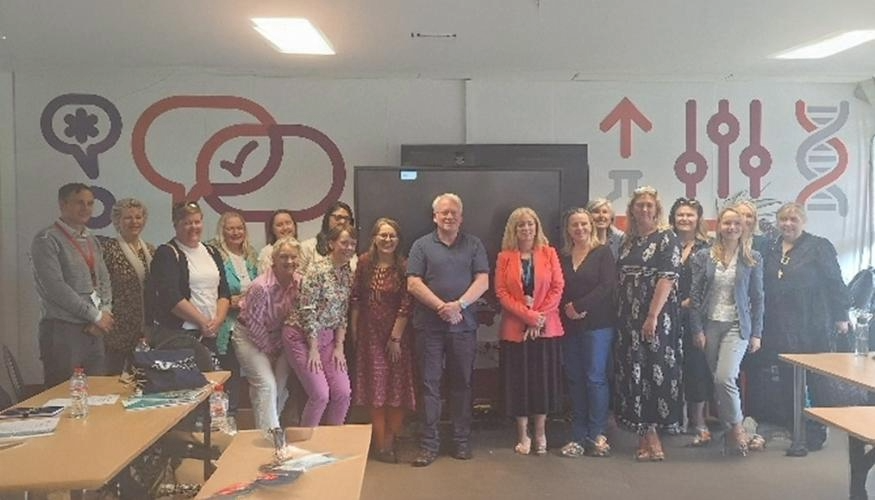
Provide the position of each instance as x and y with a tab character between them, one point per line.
340	217
688	202
387	236
645	190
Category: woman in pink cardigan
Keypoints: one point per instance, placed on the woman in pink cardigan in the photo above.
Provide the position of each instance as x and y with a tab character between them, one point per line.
528	284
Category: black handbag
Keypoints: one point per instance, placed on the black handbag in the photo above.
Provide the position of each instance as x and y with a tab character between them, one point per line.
162	370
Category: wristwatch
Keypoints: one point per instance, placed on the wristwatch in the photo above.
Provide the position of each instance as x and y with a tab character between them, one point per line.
463	304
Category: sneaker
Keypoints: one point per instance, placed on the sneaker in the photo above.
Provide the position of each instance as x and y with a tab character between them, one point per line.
424	459
462	452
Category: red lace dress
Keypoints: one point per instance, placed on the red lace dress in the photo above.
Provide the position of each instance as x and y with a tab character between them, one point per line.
381	296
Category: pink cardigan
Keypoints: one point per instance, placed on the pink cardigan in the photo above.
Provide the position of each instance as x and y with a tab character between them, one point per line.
549	283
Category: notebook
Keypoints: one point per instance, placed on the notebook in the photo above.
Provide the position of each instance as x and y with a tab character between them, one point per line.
31	411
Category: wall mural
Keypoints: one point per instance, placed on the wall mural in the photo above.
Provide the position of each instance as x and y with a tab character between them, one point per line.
95	126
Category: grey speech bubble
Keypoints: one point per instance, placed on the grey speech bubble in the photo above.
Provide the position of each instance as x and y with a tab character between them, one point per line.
80	126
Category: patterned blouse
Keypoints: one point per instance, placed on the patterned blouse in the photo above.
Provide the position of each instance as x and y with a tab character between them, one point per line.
127	295
324	299
264	308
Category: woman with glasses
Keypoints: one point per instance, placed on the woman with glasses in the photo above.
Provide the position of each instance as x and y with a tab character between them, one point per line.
315	249
647	360
280	225
381	307
806	299
726	319
588	314
605	230
528	284
314	333
685	218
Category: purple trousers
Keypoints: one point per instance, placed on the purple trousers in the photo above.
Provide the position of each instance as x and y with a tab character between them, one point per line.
328	390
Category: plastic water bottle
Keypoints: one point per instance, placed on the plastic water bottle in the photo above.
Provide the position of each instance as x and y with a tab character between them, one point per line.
861	334
79	393
142	346
219	409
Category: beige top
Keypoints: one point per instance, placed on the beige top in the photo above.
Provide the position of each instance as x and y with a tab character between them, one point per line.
87	453
339	481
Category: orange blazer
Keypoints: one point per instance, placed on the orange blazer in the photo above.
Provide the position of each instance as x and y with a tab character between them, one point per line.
549	283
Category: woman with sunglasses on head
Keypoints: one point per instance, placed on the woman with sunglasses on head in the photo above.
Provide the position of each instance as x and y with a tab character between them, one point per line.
806	300
685	218
380	308
726	319
315	249
605	230
191	292
280	225
646	354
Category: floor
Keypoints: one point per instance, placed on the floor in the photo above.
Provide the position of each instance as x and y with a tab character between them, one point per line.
687	473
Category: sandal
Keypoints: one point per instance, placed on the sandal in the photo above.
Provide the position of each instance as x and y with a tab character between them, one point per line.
572	450
656	452
643	454
599	447
703	438
735	442
522	448
541	446
756	443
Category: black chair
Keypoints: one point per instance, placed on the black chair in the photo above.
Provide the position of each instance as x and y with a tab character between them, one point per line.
14	373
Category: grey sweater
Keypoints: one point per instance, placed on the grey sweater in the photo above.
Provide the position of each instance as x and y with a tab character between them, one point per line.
62	278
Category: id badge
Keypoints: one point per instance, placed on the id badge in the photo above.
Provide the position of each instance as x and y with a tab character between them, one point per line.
95	299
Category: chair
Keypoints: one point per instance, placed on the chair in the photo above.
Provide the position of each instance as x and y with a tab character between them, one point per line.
14	373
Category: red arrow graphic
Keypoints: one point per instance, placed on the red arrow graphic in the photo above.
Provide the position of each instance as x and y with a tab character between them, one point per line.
625	113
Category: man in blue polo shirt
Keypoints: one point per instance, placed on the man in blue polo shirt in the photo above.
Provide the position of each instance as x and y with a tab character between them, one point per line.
447	271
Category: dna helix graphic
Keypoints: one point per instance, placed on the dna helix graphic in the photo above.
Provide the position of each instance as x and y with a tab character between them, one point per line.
822	158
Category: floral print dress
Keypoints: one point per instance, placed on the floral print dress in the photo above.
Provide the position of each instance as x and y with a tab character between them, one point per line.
648	377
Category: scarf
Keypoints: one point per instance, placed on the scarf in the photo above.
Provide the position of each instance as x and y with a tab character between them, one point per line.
134	259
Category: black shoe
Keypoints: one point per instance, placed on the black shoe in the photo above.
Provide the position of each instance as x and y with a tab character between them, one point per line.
462	452
424	459
386	456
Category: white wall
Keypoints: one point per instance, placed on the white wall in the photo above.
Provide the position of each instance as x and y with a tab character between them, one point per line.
368	120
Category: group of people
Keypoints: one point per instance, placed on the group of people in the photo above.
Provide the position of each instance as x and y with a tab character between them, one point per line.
637	324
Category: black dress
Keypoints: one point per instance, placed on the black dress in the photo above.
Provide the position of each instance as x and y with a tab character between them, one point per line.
648	374
698	380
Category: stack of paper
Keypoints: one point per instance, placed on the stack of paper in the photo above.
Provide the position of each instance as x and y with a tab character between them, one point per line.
28	427
163	399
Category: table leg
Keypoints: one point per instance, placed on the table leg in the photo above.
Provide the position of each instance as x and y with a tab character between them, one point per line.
797	447
861	461
208	445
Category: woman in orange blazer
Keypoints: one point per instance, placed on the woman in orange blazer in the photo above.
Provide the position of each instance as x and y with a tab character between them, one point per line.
529	284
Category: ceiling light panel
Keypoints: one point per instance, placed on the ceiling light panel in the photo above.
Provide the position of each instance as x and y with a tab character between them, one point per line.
293	35
829	46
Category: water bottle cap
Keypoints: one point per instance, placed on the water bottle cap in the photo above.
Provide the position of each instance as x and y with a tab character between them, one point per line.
218	388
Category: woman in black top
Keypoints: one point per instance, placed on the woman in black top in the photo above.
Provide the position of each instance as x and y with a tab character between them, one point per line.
588	314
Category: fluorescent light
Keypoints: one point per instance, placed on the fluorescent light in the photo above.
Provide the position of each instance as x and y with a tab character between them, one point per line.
829	46
293	35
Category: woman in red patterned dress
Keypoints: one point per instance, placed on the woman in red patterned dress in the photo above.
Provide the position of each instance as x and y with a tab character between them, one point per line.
384	363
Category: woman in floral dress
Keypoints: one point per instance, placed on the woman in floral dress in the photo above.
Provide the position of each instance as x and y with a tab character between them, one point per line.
380	304
649	396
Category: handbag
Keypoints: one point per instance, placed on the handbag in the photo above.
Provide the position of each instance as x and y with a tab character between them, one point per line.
832	392
162	370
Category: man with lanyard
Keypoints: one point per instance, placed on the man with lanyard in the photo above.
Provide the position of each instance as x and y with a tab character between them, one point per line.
447	271
74	290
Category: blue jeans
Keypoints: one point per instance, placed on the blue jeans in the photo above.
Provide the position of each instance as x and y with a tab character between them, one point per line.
587	357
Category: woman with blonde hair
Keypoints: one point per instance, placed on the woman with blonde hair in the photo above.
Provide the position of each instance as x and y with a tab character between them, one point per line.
748	211
588	315
240	260
647	360
604	229
727	317
529	284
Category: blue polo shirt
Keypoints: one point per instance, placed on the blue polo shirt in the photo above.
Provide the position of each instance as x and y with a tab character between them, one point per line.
447	271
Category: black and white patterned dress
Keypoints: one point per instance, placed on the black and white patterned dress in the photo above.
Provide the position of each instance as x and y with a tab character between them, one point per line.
648	376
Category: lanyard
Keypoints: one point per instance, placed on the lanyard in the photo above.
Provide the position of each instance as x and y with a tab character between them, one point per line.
89	258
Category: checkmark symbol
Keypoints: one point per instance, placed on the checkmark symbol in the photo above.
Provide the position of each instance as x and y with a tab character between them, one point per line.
235	167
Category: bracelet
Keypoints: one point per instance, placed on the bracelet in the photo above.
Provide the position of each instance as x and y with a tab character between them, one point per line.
397	340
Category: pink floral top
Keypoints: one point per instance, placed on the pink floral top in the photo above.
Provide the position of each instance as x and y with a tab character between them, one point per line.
324	299
265	307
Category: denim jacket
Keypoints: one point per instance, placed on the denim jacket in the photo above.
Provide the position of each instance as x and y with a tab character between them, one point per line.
748	293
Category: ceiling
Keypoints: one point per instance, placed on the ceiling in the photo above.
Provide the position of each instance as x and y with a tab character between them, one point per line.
624	40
